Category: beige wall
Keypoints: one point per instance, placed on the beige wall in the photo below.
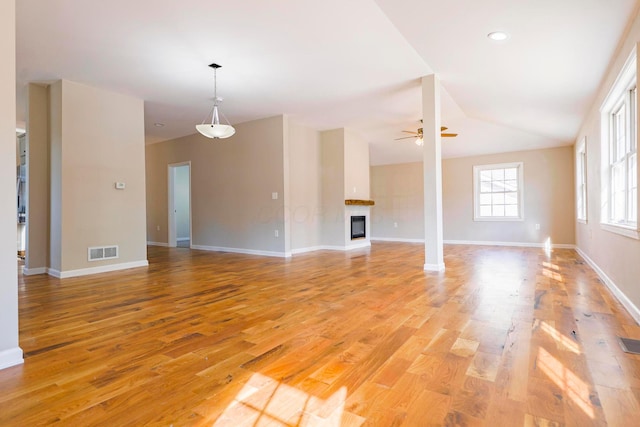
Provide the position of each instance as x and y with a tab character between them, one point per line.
548	200
97	139
232	181
55	177
333	179
10	353
356	167
37	242
305	187
615	255
398	193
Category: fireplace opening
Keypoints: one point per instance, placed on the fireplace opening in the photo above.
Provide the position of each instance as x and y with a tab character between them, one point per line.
358	227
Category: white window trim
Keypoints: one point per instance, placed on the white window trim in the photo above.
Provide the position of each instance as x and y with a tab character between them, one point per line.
626	80
581	148
476	191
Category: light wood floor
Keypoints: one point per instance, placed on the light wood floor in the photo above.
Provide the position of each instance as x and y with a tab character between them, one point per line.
505	337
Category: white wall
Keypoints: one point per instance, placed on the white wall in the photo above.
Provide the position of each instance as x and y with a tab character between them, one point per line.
181	201
10	352
614	255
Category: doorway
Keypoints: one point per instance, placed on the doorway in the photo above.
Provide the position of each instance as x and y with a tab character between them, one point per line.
180	205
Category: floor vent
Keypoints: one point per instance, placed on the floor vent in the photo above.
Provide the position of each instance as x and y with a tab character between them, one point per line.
98	253
630	345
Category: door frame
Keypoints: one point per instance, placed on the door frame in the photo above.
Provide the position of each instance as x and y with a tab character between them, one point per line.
171	223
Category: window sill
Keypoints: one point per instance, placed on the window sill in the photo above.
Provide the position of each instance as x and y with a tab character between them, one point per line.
581	221
505	219
622	230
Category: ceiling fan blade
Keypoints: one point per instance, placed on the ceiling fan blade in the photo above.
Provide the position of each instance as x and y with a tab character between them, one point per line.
443	128
406	137
411	132
448	135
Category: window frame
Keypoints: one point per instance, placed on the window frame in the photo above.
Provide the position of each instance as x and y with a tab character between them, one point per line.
477	169
582	193
623	94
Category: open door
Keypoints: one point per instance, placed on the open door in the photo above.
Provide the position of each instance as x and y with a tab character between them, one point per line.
179	226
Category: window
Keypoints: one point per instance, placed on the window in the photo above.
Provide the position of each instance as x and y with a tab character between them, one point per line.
581	180
498	192
619	154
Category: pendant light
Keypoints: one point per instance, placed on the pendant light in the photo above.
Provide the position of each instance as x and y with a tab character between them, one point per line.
215	129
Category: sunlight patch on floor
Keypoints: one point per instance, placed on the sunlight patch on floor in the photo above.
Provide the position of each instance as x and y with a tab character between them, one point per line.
264	401
574	388
560	339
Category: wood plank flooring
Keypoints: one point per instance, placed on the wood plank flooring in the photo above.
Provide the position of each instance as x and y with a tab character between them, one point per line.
505	337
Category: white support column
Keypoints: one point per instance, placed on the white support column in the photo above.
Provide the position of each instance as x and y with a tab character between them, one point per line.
10	351
432	162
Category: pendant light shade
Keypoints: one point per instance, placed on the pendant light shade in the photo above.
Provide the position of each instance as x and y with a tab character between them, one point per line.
214	129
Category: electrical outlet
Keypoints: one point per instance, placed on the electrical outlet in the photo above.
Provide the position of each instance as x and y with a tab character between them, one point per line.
276	233
274	196
395	225
157	228
537	226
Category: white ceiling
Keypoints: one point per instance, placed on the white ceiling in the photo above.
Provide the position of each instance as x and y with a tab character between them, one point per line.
336	63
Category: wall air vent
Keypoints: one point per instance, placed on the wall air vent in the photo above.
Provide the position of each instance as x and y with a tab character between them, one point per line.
99	253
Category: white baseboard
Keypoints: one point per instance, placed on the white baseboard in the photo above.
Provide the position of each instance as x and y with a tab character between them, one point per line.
242	251
396	239
33	271
306	250
514	244
96	270
434	267
620	296
157	244
11	357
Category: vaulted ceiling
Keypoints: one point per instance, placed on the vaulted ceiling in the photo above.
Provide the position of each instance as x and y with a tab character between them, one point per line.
336	63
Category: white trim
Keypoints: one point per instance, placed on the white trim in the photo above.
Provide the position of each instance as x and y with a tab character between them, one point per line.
581	178
623	80
33	271
359	245
434	267
182	239
11	357
96	270
306	250
514	244
620	296
242	251
476	191
396	239
330	248
620	229
164	244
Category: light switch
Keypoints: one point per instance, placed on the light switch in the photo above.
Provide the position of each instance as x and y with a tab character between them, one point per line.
120	185
274	196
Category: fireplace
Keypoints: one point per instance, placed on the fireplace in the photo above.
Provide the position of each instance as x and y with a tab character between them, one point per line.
358	227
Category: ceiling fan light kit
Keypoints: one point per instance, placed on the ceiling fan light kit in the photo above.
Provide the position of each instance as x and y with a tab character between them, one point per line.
215	129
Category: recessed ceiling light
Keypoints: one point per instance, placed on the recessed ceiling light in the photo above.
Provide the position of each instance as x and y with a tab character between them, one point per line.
498	36
158	125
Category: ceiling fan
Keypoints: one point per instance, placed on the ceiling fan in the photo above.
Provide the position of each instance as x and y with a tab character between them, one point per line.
418	135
